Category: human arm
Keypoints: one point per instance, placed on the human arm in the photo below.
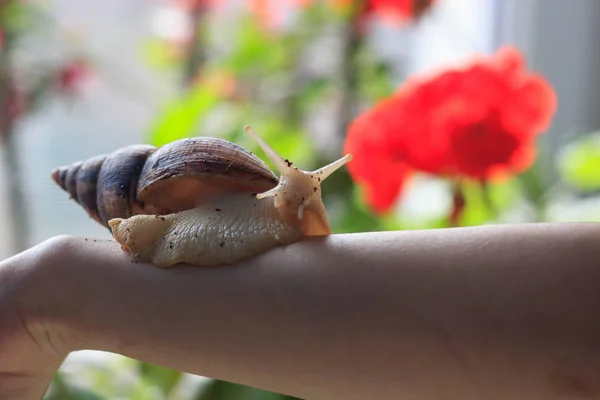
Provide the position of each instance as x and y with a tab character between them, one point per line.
498	311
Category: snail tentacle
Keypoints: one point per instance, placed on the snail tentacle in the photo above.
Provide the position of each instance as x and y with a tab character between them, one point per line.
298	193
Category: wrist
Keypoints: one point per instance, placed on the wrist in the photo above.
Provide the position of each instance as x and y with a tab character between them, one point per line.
32	343
40	282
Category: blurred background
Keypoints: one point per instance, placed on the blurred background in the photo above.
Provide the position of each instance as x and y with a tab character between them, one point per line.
78	79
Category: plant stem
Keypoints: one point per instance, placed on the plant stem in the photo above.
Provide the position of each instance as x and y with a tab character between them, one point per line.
13	174
16	197
195	54
348	76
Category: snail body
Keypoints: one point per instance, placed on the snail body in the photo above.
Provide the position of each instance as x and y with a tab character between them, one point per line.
202	201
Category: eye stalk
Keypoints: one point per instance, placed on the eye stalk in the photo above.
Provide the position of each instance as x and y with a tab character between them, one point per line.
296	187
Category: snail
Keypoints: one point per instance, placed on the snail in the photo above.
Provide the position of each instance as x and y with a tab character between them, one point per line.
202	201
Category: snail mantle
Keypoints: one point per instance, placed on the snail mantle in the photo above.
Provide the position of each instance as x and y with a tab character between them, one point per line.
202	201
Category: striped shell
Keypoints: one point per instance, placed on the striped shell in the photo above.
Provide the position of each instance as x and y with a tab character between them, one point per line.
143	179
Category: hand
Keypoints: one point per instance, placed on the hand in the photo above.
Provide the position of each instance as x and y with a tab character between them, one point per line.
30	347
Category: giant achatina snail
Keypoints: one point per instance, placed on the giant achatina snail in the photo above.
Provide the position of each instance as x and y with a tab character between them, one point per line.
201	201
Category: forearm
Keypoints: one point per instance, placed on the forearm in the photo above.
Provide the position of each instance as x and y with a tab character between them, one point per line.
462	313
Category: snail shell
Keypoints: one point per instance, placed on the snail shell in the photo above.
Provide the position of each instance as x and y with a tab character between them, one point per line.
203	201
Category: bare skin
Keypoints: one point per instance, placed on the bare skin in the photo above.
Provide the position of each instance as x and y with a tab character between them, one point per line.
502	312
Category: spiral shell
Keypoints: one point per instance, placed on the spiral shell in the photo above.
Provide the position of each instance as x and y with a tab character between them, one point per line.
143	179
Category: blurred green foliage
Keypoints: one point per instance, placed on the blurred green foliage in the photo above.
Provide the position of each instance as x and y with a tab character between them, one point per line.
182	115
579	161
219	390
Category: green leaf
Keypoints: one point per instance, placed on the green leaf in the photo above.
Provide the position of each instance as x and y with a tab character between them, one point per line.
164	378
484	204
533	185
259	55
251	48
221	390
61	390
155	53
357	218
348	212
15	16
476	210
312	94
375	80
578	163
183	115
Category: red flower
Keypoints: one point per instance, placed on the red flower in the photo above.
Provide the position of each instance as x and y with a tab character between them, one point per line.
71	75
374	166
398	12
195	4
268	12
480	121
